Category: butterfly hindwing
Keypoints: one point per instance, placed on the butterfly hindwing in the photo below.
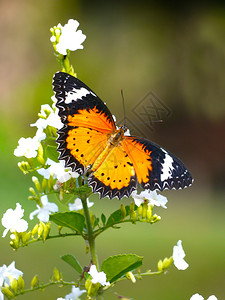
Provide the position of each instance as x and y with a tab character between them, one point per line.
155	167
116	176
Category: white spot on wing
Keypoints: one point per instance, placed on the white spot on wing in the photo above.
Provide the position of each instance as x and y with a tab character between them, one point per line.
76	94
167	166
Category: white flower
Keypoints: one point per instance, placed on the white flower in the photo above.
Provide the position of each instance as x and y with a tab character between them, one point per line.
199	297
178	257
70	38
77	205
58	170
98	276
76	292
12	220
5	272
27	147
151	196
50	117
45	210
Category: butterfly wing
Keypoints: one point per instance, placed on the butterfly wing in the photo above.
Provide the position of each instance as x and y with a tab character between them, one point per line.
116	176
155	167
87	122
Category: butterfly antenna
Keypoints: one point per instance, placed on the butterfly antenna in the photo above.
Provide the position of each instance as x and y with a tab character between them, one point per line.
124	112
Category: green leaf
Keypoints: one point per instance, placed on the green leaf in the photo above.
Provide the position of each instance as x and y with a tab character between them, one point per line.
72	220
73	262
117	266
103	218
52	153
117	216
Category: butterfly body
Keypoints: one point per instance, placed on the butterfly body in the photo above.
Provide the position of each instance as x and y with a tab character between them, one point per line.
90	141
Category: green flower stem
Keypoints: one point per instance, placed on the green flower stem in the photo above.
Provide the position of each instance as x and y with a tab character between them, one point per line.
45	285
90	233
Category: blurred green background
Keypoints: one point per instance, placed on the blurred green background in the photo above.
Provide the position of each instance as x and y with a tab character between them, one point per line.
176	51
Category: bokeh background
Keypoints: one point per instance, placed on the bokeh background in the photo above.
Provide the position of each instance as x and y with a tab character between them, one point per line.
175	51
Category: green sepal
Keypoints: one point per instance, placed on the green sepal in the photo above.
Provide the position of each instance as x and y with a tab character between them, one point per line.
117	216
73	262
72	220
117	266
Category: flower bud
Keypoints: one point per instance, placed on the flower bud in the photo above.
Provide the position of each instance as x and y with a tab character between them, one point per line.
24	167
45	231
130	276
134	216
56	274
36	183
167	262
34	282
149	212
13	284
155	218
144	210
50	182
6	291
35	230
131	207
139	211
123	211
40	229
32	191
21	284
160	265
44	185
40	154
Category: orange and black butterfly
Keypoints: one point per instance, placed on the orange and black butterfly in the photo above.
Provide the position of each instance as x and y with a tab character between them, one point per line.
89	142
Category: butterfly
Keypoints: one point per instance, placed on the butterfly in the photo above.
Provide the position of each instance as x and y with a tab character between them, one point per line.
90	143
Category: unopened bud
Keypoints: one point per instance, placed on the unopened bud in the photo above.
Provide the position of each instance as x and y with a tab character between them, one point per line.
36	183
139	211
35	230
123	211
7	292
160	265
144	210
130	276
34	282
21	284
44	185
56	274
149	212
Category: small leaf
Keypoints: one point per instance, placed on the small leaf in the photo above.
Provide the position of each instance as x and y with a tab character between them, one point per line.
72	220
52	153
103	218
73	262
117	266
117	216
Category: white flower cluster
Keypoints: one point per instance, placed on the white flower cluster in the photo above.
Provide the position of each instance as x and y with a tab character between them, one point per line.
69	37
5	273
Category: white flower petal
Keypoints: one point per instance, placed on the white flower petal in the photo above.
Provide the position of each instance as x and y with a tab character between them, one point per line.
98	276
44	211
12	220
77	205
27	147
70	38
196	297
178	257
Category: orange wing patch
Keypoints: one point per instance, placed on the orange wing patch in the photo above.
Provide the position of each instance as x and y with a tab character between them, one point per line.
140	158
115	176
85	144
91	118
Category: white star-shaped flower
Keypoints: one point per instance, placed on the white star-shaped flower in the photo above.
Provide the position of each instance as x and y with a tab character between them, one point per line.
75	294
199	297
70	38
98	276
77	205
12	220
151	196
5	272
27	147
178	257
45	210
58	170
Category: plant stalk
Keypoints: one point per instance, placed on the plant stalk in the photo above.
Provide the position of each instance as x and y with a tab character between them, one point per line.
90	233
